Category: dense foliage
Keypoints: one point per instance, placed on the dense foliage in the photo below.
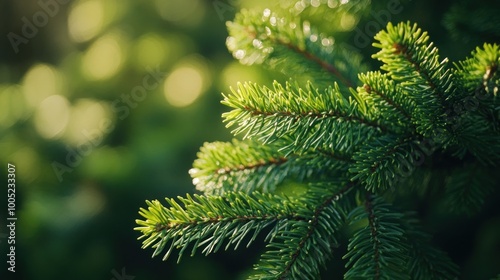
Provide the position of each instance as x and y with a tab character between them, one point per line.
326	156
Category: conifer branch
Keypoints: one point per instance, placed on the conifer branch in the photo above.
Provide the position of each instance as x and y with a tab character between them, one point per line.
385	99
467	187
249	166
414	63
308	244
306	147
211	220
475	114
479	76
376	251
424	260
275	39
311	119
385	161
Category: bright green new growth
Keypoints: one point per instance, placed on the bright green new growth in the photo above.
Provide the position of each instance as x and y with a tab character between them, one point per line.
320	161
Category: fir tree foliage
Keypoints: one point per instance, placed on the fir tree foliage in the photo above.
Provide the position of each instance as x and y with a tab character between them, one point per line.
308	117
250	166
349	142
290	45
375	251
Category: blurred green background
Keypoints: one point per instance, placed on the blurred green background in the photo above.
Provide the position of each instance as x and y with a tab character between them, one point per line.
105	103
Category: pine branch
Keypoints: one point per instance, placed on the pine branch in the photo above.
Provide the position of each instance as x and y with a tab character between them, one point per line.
278	41
426	261
414	63
387	102
468	187
481	69
475	114
329	16
479	79
311	119
378	250
240	166
383	162
249	166
322	141
210	221
301	251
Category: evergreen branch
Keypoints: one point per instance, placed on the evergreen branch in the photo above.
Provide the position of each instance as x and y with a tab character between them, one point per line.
415	65
386	101
240	166
323	64
381	163
479	77
281	41
312	146
210	221
468	187
249	166
311	119
477	135
426	261
300	252
378	250
477	122
330	12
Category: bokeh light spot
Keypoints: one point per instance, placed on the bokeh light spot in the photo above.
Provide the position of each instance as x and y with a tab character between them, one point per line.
51	116
86	20
104	58
151	49
186	82
348	21
90	121
40	82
